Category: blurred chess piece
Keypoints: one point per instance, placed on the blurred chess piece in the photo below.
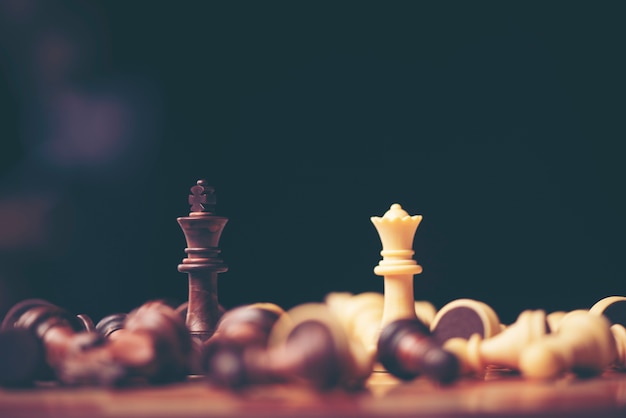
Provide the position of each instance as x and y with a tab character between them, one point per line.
37	339
151	345
202	229
110	324
554	319
462	318
361	316
248	324
307	345
612	307
619	335
584	344
407	350
425	311
238	329
22	358
504	348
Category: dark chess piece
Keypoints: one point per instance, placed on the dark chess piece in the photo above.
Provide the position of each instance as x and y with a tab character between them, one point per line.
307	345
37	338
110	324
22	357
407	350
202	229
242	327
248	324
151	344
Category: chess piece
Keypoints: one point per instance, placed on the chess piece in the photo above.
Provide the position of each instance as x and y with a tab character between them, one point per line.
202	229
612	307
22	357
583	344
425	311
152	345
407	350
48	336
461	318
110	324
238	329
360	315
396	230
503	349
248	324
619	335
554	319
306	346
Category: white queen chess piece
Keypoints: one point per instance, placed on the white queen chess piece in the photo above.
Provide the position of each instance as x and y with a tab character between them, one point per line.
396	229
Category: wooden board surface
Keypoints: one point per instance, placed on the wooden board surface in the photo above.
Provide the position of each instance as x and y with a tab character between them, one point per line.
384	396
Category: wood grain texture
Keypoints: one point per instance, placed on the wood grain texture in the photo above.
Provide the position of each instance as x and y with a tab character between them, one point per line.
497	394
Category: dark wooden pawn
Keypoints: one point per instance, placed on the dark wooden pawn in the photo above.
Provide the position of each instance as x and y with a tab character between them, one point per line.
407	350
202	229
308	349
151	344
240	328
37	338
110	324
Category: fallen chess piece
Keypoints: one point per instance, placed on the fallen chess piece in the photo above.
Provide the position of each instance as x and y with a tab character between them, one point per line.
307	345
462	318
22	358
361	314
619	335
110	324
612	307
240	328
153	345
57	333
503	349
584	345
407	350
248	324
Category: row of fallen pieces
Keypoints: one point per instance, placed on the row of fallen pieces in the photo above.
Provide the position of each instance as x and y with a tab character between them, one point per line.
41	342
469	338
337	343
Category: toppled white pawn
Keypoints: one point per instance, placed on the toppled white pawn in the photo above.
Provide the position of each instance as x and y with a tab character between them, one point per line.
360	315
619	335
583	344
504	348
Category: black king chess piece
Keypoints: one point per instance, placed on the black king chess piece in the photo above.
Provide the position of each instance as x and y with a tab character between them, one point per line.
202	229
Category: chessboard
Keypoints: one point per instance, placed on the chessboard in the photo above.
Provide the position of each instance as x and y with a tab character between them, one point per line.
496	395
367	354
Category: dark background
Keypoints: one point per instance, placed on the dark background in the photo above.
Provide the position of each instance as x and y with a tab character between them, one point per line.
502	123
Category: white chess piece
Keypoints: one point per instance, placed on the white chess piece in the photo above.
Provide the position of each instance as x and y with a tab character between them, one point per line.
619	335
504	348
360	315
583	342
396	230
